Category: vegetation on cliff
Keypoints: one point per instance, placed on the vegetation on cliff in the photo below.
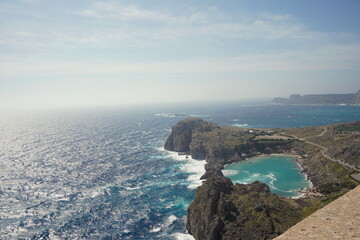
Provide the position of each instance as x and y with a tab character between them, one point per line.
340	141
221	210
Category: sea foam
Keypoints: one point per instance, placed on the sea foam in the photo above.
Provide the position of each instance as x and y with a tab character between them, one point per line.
170	220
196	168
183	236
240	125
228	172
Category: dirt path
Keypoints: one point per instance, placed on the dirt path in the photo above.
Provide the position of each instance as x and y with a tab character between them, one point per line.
321	134
325	149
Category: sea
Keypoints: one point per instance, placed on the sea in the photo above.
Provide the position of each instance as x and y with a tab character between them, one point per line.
103	173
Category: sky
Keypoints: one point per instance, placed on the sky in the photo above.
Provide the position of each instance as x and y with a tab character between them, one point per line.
119	52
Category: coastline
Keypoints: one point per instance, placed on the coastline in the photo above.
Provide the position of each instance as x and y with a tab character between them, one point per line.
222	146
284	154
304	193
311	191
195	180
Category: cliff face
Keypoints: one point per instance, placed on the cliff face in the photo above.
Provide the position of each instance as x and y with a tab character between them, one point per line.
203	221
320	99
357	98
221	210
181	135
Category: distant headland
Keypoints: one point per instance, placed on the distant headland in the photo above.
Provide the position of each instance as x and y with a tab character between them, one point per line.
320	99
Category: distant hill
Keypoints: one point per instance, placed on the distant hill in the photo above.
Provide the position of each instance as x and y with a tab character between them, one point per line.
321	99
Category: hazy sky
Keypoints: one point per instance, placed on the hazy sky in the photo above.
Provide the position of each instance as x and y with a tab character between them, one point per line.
91	53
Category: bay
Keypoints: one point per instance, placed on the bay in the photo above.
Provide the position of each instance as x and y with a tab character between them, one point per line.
281	173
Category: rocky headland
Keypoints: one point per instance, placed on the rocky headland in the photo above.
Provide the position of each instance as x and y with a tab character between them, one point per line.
320	99
222	210
221	145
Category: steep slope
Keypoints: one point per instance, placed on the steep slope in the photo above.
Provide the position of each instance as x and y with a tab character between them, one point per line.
221	210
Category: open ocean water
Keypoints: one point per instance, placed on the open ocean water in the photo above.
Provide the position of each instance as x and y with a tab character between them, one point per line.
103	174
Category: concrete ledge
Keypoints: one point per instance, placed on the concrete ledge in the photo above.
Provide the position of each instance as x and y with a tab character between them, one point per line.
338	220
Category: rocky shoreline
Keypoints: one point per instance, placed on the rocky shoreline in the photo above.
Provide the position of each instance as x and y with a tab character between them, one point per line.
222	210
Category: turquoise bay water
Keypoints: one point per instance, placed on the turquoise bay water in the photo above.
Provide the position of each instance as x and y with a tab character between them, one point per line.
280	173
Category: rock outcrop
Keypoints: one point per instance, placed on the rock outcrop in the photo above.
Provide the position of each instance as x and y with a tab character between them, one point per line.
321	99
181	135
357	98
221	210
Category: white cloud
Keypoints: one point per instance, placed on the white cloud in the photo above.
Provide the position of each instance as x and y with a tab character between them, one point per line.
208	24
119	25
124	12
29	1
332	57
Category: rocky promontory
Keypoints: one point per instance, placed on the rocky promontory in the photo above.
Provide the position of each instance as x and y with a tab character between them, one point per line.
320	99
220	145
223	210
181	135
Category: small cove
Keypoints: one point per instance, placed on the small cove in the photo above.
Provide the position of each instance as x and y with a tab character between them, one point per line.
281	173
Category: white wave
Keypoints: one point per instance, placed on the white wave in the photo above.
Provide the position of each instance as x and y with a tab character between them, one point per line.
252	178
228	172
256	175
272	177
133	188
300	193
196	168
172	115
158	157
183	236
287	191
155	229
199	115
240	125
165	115
170	220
